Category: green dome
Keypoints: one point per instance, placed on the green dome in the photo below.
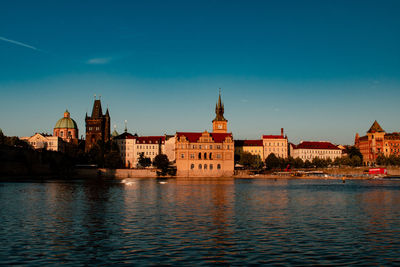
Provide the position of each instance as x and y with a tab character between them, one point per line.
66	122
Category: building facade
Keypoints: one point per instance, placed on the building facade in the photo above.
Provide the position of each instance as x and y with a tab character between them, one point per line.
254	147
308	150
131	146
276	144
205	154
67	129
97	126
44	141
377	142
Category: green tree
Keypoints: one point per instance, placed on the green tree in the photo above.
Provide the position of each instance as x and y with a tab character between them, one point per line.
161	162
272	162
144	161
352	151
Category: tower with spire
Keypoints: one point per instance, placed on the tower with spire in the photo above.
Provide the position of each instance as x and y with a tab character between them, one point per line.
220	124
97	125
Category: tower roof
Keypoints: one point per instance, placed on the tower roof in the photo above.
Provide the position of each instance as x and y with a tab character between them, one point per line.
97	111
219	109
66	122
375	128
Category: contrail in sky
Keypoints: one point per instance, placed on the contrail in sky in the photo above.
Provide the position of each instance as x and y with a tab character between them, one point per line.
19	43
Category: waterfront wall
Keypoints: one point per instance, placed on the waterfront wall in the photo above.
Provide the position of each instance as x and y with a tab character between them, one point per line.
117	173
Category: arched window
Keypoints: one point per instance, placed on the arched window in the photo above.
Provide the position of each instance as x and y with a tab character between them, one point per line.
210	156
192	166
205	155
200	155
205	166
219	166
199	166
211	166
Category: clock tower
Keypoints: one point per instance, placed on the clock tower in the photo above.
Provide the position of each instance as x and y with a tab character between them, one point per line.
220	123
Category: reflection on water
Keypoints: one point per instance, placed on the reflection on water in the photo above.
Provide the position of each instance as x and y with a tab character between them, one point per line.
203	221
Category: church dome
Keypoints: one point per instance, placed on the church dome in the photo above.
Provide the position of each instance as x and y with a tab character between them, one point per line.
66	122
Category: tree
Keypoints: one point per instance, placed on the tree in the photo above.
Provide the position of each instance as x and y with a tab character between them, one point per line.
144	161
352	151
272	162
161	162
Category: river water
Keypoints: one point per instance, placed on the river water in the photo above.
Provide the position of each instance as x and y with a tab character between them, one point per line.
200	222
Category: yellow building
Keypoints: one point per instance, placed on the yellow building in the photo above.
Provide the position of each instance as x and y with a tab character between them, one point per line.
254	147
205	154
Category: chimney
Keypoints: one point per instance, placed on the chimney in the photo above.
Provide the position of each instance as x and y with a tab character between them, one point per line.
281	131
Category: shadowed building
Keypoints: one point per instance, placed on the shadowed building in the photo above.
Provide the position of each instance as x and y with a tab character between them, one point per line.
97	126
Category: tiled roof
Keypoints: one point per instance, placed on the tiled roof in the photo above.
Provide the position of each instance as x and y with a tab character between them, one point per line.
194	136
376	128
273	137
150	139
363	138
315	145
248	143
392	136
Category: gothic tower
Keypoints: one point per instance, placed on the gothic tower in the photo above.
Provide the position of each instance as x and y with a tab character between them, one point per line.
97	126
220	123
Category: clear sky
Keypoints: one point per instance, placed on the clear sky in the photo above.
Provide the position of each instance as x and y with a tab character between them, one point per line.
323	70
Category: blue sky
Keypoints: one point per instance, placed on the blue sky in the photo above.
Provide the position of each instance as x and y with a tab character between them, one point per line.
323	70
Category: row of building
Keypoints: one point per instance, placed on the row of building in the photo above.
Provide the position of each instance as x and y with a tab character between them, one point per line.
205	153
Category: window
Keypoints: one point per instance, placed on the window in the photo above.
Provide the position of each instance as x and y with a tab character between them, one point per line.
205	155
182	156
218	156
61	133
192	156
210	146
192	166
199	146
205	166
200	155
218	146
199	166
210	156
218	166
211	166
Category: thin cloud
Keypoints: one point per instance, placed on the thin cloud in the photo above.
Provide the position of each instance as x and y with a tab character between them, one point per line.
19	43
99	60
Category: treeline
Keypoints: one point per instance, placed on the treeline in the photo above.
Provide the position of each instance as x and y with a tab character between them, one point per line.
392	160
254	162
18	158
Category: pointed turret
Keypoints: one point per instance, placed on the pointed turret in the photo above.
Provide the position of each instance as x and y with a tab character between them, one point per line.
219	109
97	111
375	128
219	123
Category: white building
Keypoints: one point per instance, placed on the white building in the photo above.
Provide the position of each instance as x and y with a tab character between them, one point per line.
44	141
277	144
308	150
131	146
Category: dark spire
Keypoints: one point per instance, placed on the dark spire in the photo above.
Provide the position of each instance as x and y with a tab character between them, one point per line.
107	113
97	111
219	109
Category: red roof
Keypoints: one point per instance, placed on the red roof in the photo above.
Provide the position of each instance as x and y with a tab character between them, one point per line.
316	145
273	137
194	136
150	139
248	142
